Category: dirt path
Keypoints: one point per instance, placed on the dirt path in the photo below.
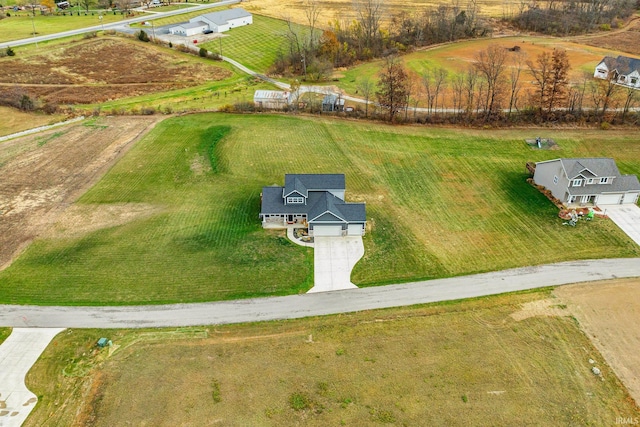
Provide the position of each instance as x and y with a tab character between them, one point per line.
45	173
609	313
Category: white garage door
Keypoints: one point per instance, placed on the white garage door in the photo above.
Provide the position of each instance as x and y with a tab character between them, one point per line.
609	199
354	230
327	230
630	198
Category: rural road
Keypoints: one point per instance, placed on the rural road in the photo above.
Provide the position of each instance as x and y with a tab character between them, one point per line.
298	306
114	25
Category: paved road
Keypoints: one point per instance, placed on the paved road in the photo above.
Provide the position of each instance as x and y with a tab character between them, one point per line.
17	354
115	25
298	306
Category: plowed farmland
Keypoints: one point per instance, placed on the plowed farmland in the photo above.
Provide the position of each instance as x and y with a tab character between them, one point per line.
103	69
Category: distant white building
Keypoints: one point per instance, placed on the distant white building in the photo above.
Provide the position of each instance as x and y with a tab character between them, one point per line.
272	99
215	22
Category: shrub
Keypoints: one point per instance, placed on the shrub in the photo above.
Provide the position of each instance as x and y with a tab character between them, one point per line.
202	52
605	126
90	35
170	45
10	51
142	36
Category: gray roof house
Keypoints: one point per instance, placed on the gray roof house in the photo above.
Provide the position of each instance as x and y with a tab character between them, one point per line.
587	181
315	201
623	70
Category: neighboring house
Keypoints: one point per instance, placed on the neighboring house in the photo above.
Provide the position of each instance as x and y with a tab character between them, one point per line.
272	99
623	70
333	102
315	201
595	181
217	22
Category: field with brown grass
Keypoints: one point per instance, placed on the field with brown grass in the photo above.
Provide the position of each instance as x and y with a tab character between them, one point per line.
499	360
626	40
102	69
609	313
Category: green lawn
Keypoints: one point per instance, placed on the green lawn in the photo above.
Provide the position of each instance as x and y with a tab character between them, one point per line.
21	27
256	45
439	203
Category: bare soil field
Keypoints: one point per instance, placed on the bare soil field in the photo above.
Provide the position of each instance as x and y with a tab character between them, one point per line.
103	69
44	173
609	313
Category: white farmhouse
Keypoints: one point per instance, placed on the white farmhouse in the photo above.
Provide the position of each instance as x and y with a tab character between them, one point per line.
622	70
215	22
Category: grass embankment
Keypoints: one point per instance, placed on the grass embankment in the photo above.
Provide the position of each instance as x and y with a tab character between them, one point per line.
456	364
440	203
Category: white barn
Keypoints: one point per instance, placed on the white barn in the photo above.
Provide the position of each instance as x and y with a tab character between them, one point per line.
217	22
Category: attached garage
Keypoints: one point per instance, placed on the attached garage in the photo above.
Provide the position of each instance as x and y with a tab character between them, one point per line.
327	230
609	199
630	198
355	230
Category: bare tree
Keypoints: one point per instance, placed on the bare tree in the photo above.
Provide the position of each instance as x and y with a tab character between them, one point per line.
559	83
312	13
541	72
392	86
514	79
369	15
365	86
491	64
602	92
86	4
631	95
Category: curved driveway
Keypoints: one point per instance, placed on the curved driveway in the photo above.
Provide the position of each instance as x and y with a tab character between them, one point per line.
297	306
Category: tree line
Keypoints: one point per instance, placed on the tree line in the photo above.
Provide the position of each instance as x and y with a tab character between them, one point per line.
501	85
313	52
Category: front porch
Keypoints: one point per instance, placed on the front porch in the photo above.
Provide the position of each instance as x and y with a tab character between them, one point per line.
284	221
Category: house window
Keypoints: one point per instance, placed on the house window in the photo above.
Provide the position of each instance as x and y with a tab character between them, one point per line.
604	180
634	81
576	183
590	181
555	179
602	71
295	200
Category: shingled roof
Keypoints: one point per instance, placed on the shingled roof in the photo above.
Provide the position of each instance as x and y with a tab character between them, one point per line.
622	64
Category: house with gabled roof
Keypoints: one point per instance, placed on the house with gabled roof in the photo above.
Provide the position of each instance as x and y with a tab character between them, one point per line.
622	70
313	201
587	181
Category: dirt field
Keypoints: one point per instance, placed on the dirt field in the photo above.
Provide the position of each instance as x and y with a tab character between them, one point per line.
93	71
43	174
609	313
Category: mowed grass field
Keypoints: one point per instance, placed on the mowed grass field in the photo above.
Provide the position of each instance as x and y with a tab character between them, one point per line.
21	27
256	45
440	203
455	364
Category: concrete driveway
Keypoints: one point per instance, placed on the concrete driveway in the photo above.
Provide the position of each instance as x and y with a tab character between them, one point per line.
333	260
627	217
18	353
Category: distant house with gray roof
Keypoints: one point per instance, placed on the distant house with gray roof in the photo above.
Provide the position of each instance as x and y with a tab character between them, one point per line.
216	22
315	201
587	181
622	70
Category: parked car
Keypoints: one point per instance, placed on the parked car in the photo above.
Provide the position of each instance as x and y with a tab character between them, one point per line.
207	32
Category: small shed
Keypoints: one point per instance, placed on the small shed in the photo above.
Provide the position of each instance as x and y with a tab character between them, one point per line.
103	342
333	102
